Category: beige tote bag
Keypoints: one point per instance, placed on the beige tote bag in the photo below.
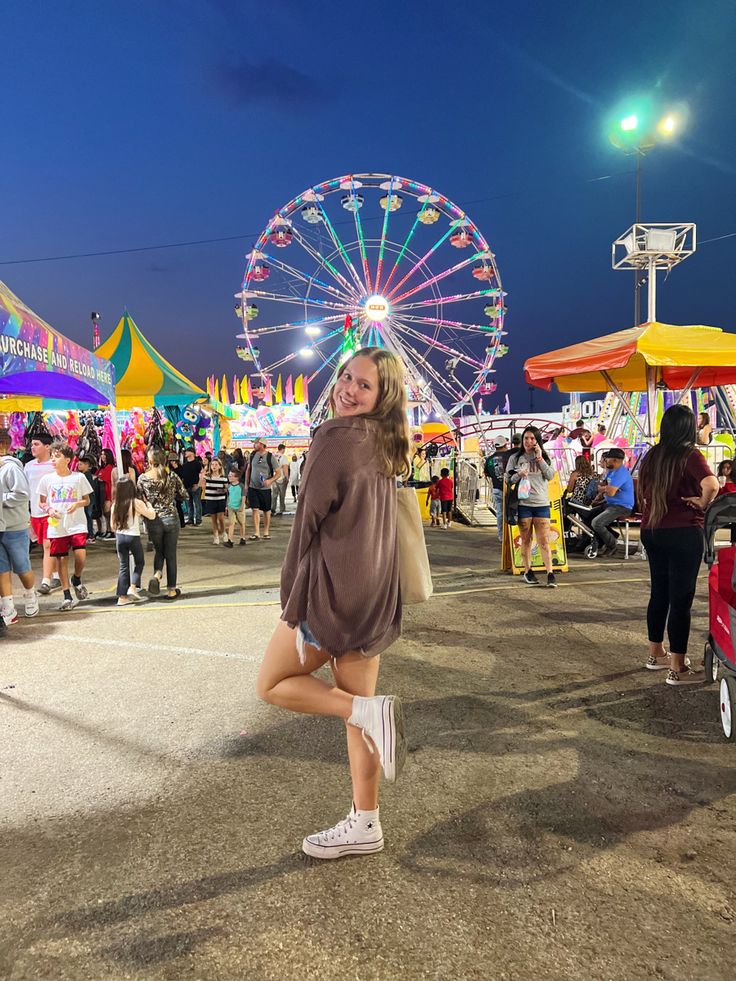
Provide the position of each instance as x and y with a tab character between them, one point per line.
415	577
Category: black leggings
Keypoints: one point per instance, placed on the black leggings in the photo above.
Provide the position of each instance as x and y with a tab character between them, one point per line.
674	556
164	533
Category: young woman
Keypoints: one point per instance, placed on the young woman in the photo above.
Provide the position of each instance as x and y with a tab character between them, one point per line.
128	470
295	476
532	464
104	475
705	430
160	489
726	477
127	511
676	485
340	588
580	480
214	498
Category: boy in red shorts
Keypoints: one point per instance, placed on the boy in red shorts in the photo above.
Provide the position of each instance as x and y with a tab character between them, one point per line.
63	497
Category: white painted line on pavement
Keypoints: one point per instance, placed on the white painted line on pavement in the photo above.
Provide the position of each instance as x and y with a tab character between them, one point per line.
157	648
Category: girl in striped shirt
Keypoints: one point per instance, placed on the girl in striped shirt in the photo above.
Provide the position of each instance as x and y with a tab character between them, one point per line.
214	498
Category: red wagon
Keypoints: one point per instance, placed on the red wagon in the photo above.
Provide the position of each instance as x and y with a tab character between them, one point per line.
720	652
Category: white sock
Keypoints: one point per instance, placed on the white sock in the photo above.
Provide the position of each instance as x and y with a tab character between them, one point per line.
367	815
45	581
7	604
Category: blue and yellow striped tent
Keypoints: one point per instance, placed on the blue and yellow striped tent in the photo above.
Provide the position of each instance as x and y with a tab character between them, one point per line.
143	377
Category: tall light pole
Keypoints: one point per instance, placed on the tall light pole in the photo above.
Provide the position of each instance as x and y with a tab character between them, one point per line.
637	127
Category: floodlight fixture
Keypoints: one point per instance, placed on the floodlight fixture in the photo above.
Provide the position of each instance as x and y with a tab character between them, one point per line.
661	240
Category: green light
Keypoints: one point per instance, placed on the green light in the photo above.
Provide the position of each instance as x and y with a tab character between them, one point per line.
629	123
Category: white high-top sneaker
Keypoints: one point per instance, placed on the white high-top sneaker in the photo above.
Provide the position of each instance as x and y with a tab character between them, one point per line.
358	834
382	720
30	600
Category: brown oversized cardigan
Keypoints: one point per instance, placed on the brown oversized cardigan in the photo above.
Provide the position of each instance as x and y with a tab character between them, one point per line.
341	573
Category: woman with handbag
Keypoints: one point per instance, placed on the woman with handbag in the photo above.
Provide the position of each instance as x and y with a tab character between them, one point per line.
340	594
530	470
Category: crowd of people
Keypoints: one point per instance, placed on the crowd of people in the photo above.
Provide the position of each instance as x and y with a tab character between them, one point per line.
340	586
675	488
62	504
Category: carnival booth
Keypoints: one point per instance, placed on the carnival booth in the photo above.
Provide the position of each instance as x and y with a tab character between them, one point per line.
148	388
640	359
42	369
144	377
259	408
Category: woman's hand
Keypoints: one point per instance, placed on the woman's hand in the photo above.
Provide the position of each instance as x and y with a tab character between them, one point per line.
538	451
697	503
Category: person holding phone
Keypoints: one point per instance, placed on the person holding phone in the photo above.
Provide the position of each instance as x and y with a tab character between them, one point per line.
530	468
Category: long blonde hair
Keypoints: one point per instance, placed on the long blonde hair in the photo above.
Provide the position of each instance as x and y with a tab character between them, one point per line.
392	436
157	464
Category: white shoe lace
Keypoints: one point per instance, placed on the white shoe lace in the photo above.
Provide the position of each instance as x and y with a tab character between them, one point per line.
340	829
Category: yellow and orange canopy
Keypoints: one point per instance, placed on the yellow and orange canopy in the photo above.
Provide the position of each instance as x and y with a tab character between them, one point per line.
631	358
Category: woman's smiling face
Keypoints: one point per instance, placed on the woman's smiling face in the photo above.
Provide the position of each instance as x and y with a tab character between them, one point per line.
356	390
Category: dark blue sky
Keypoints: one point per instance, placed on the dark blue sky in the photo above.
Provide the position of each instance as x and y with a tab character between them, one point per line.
144	123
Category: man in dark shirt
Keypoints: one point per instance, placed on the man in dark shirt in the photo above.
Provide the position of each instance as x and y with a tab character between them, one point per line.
507	454
495	471
189	472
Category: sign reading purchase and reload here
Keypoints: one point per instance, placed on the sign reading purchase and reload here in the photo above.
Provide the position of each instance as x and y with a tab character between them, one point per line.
49	356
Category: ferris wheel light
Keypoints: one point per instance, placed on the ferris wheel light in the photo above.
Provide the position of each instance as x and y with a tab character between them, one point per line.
312	331
377	308
306	352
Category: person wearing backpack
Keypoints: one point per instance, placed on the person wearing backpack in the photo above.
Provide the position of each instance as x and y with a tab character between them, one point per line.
260	476
494	470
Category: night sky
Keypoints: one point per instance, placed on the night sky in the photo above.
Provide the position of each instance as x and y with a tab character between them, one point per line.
150	123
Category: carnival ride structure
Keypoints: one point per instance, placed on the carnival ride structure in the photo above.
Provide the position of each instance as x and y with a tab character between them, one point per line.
367	266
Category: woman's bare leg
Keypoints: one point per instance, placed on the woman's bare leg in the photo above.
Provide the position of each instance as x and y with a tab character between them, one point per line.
284	681
541	530
525	531
357	674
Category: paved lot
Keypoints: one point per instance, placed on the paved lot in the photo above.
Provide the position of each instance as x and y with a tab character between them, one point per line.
562	814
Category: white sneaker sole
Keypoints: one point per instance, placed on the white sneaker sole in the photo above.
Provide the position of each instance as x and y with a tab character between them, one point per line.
315	850
393	720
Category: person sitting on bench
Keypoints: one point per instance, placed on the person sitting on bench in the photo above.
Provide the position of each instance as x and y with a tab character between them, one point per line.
618	494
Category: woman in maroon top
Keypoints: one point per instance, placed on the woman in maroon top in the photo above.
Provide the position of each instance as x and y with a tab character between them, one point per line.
676	485
340	595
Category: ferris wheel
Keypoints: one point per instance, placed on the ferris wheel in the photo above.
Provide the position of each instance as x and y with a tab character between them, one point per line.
375	259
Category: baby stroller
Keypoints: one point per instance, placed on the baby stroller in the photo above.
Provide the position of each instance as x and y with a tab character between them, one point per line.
720	653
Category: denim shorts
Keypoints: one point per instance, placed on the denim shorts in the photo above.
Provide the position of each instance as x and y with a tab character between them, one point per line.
305	636
534	511
14	552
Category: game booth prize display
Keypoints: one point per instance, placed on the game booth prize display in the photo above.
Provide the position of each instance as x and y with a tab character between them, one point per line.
259	408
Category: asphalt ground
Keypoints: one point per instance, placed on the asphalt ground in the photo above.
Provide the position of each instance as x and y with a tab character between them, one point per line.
562	815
